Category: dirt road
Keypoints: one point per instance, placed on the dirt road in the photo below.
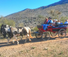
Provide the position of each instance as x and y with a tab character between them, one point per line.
55	47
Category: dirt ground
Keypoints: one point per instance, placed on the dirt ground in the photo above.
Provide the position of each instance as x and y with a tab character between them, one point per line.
55	47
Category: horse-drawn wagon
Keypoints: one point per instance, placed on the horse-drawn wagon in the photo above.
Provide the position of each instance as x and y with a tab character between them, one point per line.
60	30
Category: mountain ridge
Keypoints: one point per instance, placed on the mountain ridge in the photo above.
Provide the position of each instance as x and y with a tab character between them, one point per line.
44	7
32	14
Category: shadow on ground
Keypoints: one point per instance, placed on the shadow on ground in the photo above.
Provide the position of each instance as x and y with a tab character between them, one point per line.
3	44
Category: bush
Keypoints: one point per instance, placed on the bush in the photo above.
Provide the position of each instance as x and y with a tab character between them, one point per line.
6	21
35	29
40	16
63	19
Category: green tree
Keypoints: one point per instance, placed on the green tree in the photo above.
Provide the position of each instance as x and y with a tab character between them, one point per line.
35	29
7	21
40	16
54	13
63	19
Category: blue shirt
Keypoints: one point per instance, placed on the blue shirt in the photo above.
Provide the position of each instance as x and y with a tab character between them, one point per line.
66	22
50	21
61	23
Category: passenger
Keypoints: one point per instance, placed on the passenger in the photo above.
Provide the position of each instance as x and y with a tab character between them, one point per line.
47	23
61	22
49	20
58	21
46	20
53	22
66	22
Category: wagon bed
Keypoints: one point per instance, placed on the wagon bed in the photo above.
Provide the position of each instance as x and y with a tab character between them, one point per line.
52	31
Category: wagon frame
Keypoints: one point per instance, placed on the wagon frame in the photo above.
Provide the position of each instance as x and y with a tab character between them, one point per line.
51	31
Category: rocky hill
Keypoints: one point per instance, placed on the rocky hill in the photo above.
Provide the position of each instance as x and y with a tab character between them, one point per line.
32	17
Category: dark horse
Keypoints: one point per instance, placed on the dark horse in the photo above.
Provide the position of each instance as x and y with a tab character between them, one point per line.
16	31
5	29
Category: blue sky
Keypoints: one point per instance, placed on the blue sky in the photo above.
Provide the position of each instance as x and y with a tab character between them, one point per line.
12	6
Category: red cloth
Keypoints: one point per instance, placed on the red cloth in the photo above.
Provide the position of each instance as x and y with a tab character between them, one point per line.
45	22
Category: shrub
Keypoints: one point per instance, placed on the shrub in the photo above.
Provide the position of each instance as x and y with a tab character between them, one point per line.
6	21
63	19
33	47
40	16
35	29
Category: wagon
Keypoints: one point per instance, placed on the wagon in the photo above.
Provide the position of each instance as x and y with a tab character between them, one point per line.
60	30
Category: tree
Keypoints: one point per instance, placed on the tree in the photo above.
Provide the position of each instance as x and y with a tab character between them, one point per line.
40	16
7	21
63	19
35	29
54	13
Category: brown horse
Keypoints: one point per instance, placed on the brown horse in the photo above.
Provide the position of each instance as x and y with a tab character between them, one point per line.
21	31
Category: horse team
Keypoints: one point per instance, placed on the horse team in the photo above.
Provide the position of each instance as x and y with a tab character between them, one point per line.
13	32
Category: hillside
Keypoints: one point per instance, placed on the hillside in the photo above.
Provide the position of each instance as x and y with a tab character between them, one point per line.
30	17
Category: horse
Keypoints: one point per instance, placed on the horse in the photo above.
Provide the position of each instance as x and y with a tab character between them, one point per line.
13	32
21	31
4	30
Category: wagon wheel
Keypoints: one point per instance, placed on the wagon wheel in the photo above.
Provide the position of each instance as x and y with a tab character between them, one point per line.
62	33
46	36
53	34
38	35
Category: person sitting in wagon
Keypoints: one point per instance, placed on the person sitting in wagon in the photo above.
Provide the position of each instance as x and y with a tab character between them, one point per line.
50	20
61	22
46	20
66	22
56	23
47	23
